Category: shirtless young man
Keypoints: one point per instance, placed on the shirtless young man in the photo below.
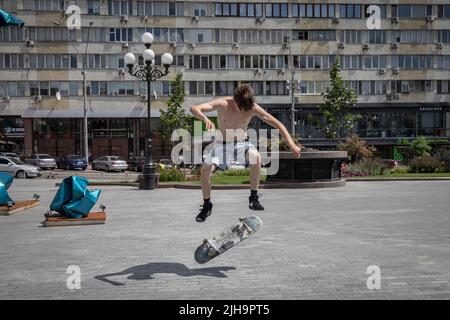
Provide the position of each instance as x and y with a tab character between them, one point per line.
235	113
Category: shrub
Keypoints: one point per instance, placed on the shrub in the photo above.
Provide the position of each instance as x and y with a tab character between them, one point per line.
421	146
172	174
357	148
425	164
399	170
366	167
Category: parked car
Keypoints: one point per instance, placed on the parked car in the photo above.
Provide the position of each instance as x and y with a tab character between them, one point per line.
136	164
9	154
110	163
165	164
72	162
41	160
18	169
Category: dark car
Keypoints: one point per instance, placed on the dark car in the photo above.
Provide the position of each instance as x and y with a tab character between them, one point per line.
71	162
136	163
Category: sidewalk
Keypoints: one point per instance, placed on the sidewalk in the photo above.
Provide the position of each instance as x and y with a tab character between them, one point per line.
315	243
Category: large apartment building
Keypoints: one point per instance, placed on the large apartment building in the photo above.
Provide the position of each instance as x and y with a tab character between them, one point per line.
400	72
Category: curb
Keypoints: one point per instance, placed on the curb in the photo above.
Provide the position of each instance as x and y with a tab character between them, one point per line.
400	179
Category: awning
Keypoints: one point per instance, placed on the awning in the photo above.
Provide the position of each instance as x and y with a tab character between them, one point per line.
136	112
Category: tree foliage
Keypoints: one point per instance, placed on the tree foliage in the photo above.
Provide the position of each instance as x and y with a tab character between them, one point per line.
175	116
335	112
421	146
357	148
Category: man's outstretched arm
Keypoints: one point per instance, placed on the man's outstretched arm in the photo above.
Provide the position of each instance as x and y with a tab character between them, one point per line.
272	121
199	110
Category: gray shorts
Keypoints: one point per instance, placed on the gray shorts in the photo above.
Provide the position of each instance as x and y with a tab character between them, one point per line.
222	155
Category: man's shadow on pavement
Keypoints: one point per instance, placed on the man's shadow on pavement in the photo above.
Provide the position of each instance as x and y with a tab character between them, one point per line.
145	272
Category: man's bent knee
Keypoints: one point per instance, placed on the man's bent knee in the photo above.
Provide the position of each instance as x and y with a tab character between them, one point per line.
254	158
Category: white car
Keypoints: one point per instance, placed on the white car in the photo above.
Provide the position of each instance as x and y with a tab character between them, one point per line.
110	163
18	169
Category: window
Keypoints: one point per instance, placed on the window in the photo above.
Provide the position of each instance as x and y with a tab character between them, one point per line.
443	62
350	36
117	8
375	36
144	8
444	36
412	61
443	86
350	11
94	7
74	88
121	34
274	88
443	11
200	9
411	11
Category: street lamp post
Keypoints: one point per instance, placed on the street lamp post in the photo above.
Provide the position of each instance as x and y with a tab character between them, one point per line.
148	72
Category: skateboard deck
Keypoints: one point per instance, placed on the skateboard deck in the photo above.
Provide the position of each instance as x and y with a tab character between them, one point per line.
231	236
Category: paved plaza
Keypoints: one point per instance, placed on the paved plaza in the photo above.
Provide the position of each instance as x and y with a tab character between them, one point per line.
315	243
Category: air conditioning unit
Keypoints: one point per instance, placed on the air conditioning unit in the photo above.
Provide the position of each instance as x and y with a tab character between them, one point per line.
281	71
396	96
123	18
394	46
389	97
340	45
235	45
298	20
195	19
192	45
395	20
37	98
258	71
144	18
122	71
143	97
335	20
395	71
30	43
297	99
381	71
125	45
365	47
439	45
285	45
260	19
430	18
173	44
6	98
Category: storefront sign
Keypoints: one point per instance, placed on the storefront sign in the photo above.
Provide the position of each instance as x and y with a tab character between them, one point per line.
15	132
430	108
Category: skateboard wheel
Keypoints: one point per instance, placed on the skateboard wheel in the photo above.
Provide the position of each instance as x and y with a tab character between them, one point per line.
241	218
205	241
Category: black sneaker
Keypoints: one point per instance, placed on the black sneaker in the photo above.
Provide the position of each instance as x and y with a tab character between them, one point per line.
205	212
254	203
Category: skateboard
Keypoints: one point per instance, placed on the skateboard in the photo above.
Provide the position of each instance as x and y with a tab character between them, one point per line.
211	248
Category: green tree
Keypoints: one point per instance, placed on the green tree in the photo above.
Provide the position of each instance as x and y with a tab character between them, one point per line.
175	116
336	110
421	147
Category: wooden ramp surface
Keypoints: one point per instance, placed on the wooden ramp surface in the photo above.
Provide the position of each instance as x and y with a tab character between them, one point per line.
18	206
92	218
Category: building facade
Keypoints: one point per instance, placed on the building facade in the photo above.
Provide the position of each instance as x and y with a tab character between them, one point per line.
400	72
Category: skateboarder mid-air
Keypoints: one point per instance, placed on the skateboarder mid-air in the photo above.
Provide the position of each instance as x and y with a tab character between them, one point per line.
233	116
